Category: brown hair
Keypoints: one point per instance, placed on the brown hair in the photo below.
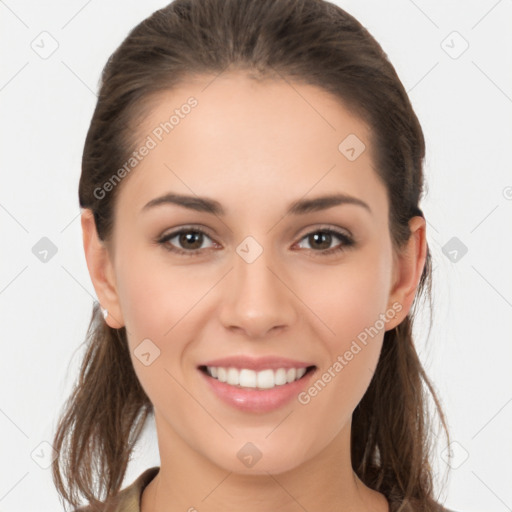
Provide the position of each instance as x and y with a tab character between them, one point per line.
309	41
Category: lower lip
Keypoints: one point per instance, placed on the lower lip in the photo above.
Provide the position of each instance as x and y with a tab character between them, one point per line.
257	400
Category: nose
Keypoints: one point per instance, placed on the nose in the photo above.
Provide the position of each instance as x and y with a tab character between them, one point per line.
257	298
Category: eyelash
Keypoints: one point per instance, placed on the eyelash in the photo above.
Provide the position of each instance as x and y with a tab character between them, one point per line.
347	241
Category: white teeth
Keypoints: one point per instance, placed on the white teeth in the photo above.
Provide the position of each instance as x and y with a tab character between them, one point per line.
280	377
233	377
222	374
247	378
265	379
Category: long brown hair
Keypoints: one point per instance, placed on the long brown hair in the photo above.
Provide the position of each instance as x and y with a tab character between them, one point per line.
308	41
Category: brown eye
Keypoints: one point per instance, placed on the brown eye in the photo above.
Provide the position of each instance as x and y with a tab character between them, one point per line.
186	241
321	241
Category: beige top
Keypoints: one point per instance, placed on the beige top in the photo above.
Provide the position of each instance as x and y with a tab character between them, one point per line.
128	499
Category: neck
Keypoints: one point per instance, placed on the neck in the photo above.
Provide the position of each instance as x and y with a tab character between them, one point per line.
187	481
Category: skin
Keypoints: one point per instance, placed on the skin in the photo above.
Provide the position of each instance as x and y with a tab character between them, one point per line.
255	148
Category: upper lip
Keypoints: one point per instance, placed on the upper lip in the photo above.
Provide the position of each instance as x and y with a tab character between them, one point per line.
257	363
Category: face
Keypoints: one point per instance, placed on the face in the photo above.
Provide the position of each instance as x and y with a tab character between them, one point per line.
266	274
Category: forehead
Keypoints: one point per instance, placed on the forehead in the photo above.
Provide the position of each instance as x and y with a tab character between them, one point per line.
272	111
272	138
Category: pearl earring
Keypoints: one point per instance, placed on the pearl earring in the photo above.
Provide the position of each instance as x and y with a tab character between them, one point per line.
105	312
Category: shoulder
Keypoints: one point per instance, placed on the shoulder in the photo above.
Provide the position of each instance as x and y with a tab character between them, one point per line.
128	499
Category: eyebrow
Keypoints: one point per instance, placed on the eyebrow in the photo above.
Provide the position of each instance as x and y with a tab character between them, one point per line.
299	207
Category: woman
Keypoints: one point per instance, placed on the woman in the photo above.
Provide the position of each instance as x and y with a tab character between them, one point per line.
251	182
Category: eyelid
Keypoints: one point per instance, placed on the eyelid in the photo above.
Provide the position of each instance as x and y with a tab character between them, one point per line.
185	228
324	227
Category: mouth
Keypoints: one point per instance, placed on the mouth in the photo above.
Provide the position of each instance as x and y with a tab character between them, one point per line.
248	378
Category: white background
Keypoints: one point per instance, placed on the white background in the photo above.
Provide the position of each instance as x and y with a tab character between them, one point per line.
465	107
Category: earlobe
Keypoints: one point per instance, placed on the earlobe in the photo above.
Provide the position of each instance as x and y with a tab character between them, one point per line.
101	270
408	267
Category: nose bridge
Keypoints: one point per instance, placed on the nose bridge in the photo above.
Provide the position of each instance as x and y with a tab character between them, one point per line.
256	299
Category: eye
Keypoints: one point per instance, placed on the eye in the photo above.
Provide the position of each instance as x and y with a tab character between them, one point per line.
321	240
188	241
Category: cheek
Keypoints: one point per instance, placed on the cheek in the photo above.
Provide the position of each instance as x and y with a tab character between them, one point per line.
154	295
350	297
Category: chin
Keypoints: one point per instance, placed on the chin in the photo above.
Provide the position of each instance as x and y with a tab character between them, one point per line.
251	460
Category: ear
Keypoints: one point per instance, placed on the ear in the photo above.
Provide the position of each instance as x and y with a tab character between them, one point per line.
101	270
408	267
